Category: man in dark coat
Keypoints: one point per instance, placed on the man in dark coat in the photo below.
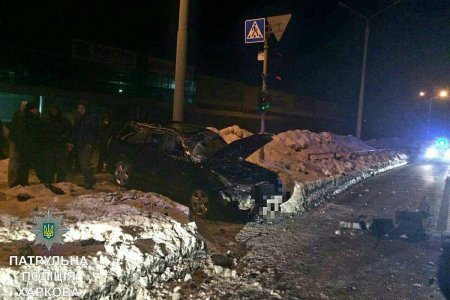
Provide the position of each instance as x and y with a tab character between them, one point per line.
59	131
31	141
84	138
14	158
105	132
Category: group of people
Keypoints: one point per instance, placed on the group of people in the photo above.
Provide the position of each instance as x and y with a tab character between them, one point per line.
45	142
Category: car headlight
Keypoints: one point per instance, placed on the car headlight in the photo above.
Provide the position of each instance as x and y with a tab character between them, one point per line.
431	153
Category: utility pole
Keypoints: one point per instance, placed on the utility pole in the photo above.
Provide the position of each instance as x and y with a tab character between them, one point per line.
363	67
362	84
264	76
264	86
180	67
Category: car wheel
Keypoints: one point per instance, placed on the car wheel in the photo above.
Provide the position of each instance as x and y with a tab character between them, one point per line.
122	174
200	203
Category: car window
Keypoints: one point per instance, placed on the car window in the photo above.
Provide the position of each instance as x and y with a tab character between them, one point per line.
126	132
203	144
174	146
137	137
155	140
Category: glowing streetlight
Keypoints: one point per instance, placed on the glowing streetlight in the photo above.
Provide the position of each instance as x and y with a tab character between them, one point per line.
441	95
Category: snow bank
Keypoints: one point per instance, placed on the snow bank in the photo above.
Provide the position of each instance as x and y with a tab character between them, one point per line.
313	165
131	241
312	194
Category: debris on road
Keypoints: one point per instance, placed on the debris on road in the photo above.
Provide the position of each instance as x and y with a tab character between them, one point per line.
382	227
352	225
406	225
221	260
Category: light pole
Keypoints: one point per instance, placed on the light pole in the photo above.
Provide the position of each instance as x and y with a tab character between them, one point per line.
180	64
441	95
363	67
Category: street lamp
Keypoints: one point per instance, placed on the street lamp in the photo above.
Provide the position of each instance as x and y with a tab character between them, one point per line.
441	95
363	67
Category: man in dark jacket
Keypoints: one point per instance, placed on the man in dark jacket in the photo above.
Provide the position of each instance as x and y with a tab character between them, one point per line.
14	159
31	141
59	131
105	132
84	138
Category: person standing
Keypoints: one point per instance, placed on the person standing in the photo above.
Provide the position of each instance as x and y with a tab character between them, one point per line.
31	141
59	132
14	159
84	138
105	131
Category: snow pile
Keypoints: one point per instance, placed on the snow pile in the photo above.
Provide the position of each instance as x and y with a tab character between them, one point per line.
232	133
131	241
313	165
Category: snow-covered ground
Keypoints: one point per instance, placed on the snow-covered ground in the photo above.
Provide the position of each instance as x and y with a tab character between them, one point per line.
131	240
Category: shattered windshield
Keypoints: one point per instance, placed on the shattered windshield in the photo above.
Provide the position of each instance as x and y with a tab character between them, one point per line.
203	144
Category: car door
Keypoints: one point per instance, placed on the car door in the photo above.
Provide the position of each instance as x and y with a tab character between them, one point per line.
148	157
175	168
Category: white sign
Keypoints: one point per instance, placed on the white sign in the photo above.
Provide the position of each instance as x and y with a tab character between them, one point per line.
261	56
278	24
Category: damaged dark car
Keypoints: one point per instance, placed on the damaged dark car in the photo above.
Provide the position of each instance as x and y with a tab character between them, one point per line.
193	166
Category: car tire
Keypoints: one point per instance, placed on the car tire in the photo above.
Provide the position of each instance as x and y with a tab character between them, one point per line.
201	203
122	174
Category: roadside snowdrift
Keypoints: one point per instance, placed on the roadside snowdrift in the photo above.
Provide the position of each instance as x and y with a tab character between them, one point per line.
132	242
306	163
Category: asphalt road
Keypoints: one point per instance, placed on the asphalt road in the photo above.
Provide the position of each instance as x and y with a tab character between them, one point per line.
308	257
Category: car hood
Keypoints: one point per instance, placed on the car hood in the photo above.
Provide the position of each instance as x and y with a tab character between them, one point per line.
241	149
243	172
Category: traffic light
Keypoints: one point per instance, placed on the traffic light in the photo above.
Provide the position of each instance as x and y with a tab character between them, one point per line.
264	102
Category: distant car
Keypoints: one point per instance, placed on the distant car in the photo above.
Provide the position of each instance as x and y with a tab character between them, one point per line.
440	150
192	165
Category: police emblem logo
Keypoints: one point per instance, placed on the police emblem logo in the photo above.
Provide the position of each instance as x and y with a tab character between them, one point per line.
49	230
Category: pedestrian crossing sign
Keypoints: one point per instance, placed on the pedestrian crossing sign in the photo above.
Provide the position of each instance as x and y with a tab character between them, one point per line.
255	30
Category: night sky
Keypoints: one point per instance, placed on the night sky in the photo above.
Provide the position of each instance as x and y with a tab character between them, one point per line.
319	55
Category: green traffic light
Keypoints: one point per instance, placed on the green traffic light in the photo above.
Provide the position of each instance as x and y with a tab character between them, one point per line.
263	107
